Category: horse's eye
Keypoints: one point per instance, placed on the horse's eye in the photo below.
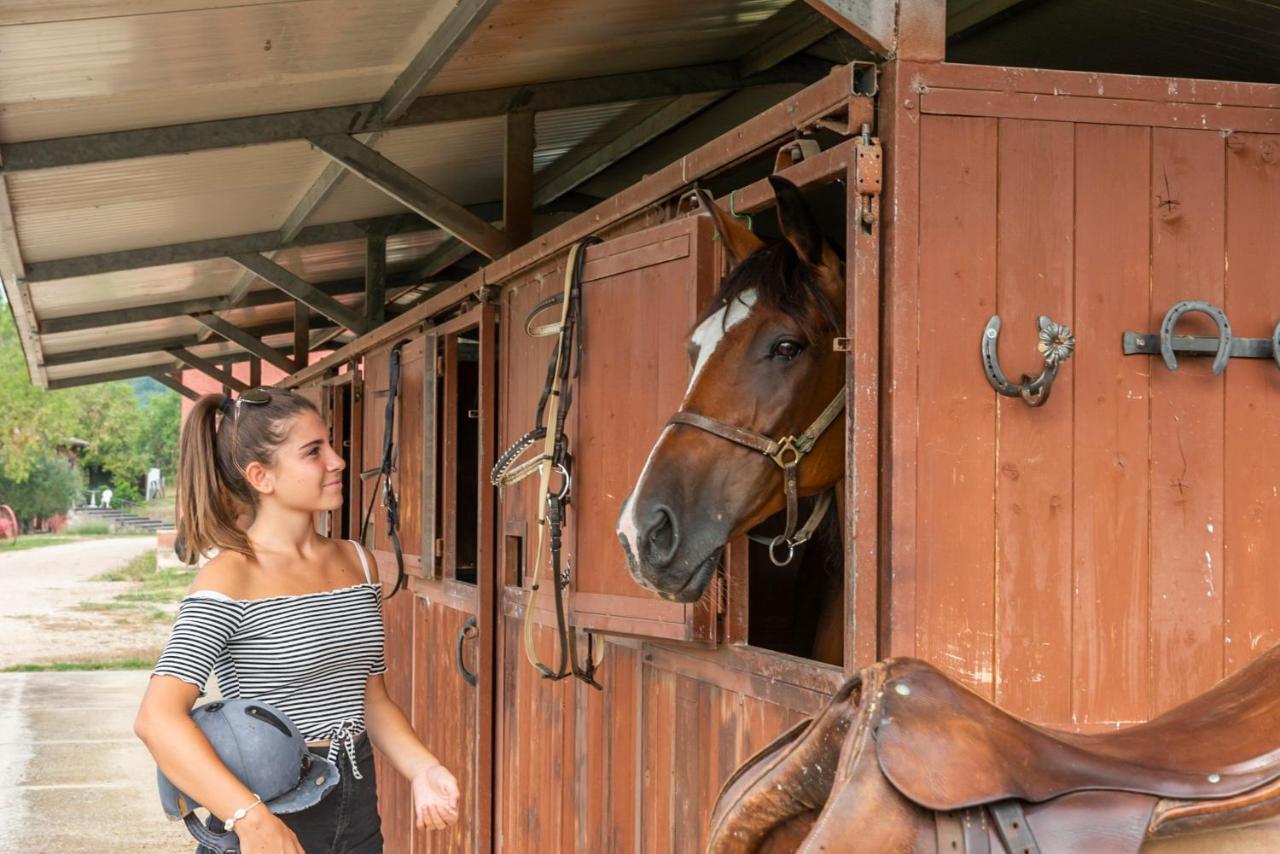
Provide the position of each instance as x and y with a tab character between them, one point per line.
786	349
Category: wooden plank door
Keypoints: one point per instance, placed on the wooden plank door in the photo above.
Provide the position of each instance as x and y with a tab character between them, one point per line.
454	619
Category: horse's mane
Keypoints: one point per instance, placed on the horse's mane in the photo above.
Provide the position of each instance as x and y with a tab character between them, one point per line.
783	282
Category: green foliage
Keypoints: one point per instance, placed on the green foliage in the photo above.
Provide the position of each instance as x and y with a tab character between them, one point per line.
83	529
65	666
51	486
129	426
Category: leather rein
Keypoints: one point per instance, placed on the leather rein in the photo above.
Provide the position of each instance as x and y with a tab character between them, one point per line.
787	452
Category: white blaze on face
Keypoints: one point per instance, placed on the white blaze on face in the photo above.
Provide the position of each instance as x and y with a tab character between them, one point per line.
707	337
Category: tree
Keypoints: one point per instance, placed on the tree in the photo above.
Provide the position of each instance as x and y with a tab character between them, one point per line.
50	488
32	420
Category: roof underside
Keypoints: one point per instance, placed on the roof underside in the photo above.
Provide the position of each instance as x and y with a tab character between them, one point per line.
610	82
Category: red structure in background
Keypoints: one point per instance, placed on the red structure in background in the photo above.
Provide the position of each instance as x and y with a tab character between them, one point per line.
205	384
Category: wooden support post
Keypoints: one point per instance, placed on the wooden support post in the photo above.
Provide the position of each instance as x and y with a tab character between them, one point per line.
517	179
375	280
301	334
255	373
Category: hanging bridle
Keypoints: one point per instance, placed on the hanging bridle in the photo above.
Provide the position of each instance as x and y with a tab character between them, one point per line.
553	459
787	452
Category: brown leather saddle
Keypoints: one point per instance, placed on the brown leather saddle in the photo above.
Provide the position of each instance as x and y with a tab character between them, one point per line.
985	780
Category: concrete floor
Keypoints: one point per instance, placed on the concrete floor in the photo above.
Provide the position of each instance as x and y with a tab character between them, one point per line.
73	778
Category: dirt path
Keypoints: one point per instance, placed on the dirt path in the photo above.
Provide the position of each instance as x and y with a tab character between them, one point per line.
41	615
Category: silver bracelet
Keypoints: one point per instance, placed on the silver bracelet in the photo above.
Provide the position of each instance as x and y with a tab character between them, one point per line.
240	813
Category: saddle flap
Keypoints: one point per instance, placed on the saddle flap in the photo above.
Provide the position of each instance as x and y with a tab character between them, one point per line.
946	748
791	776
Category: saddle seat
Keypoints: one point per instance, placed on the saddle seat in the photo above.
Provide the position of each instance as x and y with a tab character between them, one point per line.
946	748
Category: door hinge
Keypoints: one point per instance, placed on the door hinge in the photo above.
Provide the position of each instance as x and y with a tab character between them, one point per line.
870	175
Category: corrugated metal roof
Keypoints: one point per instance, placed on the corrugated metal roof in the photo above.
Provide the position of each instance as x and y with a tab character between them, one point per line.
84	67
73	67
530	40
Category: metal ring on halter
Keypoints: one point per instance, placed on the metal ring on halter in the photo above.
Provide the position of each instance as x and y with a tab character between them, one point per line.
791	550
567	481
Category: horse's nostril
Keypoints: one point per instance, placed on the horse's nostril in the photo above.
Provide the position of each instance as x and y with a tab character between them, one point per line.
661	538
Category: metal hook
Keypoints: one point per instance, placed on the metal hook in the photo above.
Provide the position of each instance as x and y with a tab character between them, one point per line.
1174	314
1057	343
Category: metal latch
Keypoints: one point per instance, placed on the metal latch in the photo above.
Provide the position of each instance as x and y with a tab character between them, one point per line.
793	152
870	174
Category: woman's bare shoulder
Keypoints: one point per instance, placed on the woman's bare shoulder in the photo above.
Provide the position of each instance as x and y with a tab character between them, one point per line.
227	573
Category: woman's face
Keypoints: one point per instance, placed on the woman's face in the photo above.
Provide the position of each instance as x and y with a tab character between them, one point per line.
307	473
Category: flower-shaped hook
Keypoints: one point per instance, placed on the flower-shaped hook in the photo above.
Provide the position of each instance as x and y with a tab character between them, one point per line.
1057	343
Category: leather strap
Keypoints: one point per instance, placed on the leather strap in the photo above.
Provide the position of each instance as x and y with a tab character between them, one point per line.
1011	825
390	503
787	452
962	831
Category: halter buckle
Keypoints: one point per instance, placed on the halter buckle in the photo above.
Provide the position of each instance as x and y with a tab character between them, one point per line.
789	445
791	550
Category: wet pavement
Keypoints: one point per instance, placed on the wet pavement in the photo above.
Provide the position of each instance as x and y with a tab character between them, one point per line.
73	778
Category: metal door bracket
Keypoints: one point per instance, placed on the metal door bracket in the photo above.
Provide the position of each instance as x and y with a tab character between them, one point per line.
870	175
1223	347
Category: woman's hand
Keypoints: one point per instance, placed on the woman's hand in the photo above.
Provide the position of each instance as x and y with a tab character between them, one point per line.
435	798
261	832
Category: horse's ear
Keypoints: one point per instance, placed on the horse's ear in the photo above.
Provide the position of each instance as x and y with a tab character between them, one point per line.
739	241
798	225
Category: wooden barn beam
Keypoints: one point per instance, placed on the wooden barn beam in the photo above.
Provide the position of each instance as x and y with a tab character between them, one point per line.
222	247
158	311
301	291
443	42
463	19
560	179
249	342
177	385
255	373
414	193
207	368
155	345
375	280
517	178
428	109
301	335
902	29
13	278
789	31
112	376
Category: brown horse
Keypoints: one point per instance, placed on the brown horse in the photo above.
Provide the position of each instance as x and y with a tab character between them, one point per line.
764	373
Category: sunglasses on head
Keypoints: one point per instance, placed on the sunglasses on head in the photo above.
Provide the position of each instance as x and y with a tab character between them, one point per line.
252	396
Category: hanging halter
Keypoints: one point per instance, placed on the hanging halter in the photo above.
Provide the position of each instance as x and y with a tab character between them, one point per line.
787	452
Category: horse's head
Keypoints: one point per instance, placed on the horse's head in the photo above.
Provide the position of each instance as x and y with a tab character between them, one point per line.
763	361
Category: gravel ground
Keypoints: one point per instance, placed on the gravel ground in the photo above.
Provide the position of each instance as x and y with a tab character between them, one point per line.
41	620
73	778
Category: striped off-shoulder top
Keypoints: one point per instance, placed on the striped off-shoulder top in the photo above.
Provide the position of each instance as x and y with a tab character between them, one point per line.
310	655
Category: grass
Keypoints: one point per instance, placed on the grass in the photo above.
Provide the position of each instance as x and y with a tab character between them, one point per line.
65	666
39	541
158	585
83	529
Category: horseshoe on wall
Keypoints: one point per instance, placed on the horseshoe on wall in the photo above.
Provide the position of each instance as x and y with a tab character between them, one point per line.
1175	313
1057	343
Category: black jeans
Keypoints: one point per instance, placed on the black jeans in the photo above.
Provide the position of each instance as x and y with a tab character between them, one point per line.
346	821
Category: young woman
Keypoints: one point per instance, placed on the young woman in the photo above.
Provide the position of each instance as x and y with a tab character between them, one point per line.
285	616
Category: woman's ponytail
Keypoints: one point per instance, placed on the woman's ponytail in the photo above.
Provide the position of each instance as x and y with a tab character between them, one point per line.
206	503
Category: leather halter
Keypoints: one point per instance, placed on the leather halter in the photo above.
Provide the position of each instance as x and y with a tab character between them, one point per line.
787	452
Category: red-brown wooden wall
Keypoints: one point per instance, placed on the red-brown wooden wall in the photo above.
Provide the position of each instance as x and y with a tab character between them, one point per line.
1103	558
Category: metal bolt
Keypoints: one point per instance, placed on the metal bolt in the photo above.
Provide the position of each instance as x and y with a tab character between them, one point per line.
991	333
1215	778
320	781
902	688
